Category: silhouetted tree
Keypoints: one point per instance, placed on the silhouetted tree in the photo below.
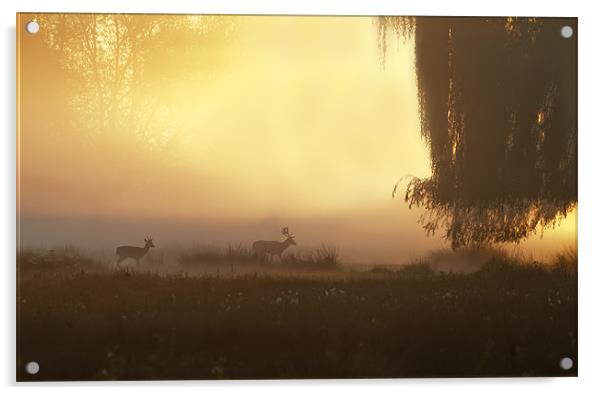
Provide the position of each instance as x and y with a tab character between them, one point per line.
498	110
123	69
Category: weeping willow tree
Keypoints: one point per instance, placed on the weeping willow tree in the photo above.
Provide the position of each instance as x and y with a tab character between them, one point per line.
498	110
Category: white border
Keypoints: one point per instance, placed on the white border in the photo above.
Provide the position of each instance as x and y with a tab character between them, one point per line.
590	144
315	7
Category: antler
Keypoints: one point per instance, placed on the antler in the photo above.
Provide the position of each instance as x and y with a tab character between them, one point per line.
285	232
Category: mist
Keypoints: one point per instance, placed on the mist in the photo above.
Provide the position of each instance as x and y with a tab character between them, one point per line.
225	136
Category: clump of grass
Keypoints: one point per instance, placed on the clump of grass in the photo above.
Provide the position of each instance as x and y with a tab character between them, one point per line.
502	265
203	254
214	255
465	260
417	269
380	270
59	258
325	256
565	262
498	263
239	252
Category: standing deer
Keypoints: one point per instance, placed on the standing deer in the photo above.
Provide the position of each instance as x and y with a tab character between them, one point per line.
125	252
267	249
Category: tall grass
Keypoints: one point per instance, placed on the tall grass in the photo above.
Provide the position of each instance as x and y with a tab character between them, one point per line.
233	253
504	264
325	256
418	269
61	257
566	262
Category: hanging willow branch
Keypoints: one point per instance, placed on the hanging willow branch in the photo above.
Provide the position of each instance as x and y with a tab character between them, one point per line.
498	111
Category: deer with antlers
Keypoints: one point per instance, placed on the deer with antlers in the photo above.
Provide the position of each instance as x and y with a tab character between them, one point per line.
267	249
124	252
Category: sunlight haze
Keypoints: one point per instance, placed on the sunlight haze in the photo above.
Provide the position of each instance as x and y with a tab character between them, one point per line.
278	121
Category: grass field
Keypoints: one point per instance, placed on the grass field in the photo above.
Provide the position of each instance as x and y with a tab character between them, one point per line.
85	321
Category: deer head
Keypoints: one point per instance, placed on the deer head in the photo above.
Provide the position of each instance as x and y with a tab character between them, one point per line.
290	239
149	243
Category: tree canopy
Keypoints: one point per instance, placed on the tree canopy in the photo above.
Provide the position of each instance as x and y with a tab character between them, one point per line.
498	110
128	75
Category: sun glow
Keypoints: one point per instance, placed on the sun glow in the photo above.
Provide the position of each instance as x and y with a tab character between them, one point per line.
299	117
232	119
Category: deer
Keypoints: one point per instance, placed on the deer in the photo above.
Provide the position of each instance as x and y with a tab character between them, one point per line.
124	252
267	249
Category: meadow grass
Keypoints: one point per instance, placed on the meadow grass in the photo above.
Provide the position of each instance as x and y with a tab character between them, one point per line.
322	257
83	321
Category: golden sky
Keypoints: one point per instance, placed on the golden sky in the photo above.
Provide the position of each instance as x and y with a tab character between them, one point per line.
290	119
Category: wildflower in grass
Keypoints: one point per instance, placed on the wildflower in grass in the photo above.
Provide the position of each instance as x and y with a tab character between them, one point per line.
334	292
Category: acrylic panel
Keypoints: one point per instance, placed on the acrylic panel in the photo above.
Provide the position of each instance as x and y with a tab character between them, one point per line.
295	197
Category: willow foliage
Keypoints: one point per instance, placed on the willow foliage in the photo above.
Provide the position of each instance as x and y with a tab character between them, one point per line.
498	110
